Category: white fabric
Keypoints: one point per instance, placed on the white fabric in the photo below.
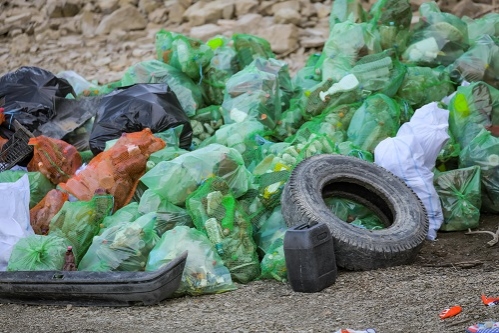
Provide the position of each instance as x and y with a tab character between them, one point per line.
411	155
14	217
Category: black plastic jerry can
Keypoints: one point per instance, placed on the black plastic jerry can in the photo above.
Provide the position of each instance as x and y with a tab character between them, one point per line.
309	255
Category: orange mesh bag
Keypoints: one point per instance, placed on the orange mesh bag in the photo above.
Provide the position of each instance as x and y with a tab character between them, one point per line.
117	171
56	159
2	142
45	210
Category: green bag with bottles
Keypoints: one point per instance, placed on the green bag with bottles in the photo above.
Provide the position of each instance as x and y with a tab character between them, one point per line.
38	253
204	271
483	152
459	191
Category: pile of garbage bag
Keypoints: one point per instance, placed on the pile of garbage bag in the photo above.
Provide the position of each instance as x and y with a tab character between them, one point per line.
191	150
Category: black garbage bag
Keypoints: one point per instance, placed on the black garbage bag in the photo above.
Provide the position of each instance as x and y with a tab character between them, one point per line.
133	108
29	94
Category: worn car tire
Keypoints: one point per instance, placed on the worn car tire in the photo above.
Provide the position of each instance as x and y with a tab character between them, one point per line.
381	191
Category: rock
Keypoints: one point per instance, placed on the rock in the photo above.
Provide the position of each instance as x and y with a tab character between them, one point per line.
287	15
265	7
87	23
175	11
245	6
282	37
469	8
15	32
127	18
22	45
68	8
72	26
322	10
247	23
312	42
205	32
209	12
18	21
307	9
158	16
291	4
124	3
107	6
103	61
148	6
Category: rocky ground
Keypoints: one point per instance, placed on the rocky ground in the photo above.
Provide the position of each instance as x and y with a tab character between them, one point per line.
93	39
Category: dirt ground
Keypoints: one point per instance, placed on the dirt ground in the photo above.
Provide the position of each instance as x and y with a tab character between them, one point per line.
455	269
457	249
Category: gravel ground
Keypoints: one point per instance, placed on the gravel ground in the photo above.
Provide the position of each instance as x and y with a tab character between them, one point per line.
456	269
402	299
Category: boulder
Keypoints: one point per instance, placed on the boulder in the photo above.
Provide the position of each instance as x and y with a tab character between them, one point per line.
206	31
287	15
246	6
127	18
282	37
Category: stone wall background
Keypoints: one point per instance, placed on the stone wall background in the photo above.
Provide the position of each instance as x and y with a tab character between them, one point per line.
99	39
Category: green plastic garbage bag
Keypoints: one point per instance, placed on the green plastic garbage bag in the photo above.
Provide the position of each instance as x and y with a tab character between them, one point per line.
460	194
39	185
241	137
204	271
438	38
221	67
354	213
273	264
38	253
80	221
377	119
483	151
204	124
81	86
168	215
333	122
215	211
423	85
485	25
176	179
249	48
305	78
479	63
153	71
186	54
291	119
122	247
268	228
347	43
343	10
379	73
448	158
128	213
315	145
393	18
260	91
471	109
347	148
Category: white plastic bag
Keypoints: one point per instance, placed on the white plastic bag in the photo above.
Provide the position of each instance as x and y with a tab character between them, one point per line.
404	156
412	154
429	125
14	217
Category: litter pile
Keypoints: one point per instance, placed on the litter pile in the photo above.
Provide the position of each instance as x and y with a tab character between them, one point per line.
191	151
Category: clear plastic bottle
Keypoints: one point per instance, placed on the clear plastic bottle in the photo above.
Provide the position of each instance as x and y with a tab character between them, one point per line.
215	234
